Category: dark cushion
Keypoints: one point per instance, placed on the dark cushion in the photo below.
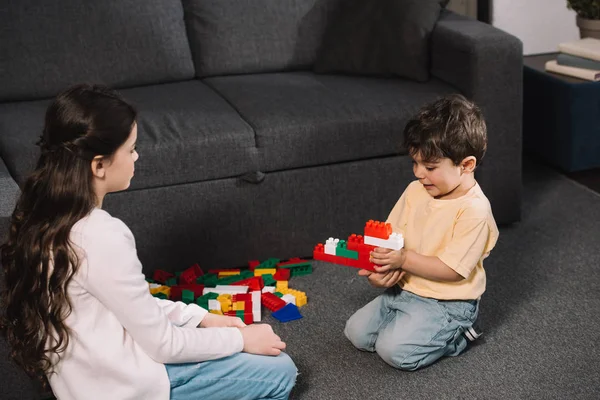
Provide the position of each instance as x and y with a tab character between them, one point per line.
49	45
302	119
186	133
241	36
380	38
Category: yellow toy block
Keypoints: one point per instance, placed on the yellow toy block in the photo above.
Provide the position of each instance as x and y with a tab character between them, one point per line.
218	312
161	289
263	271
301	299
225	300
238	306
281	285
223	274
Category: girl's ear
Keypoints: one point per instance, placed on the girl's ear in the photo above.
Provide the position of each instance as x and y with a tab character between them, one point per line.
468	164
98	167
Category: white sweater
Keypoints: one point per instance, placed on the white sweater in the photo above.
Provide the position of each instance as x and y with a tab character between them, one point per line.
121	335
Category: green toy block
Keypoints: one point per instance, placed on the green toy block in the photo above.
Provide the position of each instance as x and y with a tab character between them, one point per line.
278	294
302	264
342	251
208	280
240	313
171	282
160	295
270	263
228	280
187	296
202	302
150	280
269	280
300	271
178	273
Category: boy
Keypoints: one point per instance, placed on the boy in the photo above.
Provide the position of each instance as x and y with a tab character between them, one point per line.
435	282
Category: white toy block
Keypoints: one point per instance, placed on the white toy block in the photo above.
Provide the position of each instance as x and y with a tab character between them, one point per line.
155	285
288	298
256	306
214	305
269	289
226	289
331	245
395	241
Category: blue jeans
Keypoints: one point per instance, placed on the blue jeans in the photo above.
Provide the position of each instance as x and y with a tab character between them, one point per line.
240	376
409	331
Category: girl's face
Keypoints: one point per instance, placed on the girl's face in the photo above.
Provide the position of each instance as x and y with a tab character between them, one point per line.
120	169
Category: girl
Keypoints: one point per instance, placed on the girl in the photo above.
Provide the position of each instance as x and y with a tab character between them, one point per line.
77	307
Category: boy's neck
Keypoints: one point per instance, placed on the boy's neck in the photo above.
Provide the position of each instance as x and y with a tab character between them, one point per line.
467	182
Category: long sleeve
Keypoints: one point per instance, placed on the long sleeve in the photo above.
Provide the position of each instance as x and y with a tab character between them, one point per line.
181	314
112	272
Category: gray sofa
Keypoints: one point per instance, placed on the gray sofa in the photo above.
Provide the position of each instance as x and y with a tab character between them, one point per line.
245	153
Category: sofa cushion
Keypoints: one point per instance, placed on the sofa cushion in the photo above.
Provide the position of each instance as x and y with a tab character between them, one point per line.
186	133
241	36
117	42
380	38
302	119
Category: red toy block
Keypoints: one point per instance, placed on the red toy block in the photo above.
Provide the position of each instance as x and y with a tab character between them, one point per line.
253	264
271	301
291	261
357	243
194	287
254	283
282	275
242	297
362	263
378	229
189	275
162	276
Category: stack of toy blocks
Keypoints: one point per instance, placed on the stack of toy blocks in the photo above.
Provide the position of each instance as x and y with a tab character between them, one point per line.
355	252
237	292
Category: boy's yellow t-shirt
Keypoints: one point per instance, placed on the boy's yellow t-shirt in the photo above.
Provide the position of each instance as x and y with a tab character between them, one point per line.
461	232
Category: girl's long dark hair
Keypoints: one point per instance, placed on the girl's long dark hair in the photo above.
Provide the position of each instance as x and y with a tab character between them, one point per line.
38	258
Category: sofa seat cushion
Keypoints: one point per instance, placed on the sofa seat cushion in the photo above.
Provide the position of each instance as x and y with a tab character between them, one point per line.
302	119
186	133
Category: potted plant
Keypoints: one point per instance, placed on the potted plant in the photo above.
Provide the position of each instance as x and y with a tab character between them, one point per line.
588	16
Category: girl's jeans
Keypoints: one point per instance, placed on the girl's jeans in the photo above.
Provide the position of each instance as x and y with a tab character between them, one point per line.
237	377
409	331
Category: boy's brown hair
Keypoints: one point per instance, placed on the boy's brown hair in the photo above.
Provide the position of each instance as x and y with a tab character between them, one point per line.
450	127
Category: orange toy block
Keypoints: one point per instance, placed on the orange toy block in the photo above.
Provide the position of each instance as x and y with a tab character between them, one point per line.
378	229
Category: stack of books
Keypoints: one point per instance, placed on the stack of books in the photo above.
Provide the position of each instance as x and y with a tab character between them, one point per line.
580	59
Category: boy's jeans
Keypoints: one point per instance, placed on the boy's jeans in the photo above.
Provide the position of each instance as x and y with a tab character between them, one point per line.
410	331
237	377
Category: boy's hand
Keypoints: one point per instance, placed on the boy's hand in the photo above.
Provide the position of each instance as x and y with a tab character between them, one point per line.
388	259
221	321
383	279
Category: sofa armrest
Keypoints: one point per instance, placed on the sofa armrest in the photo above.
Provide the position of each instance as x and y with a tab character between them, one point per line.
9	191
486	65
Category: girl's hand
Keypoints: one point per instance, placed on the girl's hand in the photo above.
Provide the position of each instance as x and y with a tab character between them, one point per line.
219	321
383	279
260	339
389	259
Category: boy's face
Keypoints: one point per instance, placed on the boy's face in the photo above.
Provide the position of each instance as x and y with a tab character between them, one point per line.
442	179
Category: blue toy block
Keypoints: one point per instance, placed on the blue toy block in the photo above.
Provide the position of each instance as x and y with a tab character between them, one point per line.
288	313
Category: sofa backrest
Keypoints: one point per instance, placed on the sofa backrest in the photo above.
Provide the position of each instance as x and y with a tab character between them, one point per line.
46	46
253	36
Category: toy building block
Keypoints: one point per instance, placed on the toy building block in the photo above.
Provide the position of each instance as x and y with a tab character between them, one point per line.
331	246
268	280
171	281
238	305
297	268
253	264
378	229
288	313
161	276
256	306
278	294
208	280
271	301
342	251
161	289
292	262
214	305
268	289
187	296
300	296
281	285
264	271
319	254
226	303
288	298
176	290
228	280
270	263
202	301
254	283
160	295
217	271
357	243
226	289
394	242
190	275
282	274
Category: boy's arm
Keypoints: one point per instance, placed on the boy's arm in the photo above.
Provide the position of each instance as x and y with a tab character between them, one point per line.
428	267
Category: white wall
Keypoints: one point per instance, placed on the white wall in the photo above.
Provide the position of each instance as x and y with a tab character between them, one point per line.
540	24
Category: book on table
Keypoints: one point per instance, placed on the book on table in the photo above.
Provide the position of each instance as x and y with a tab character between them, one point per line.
586	48
581	73
577	62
